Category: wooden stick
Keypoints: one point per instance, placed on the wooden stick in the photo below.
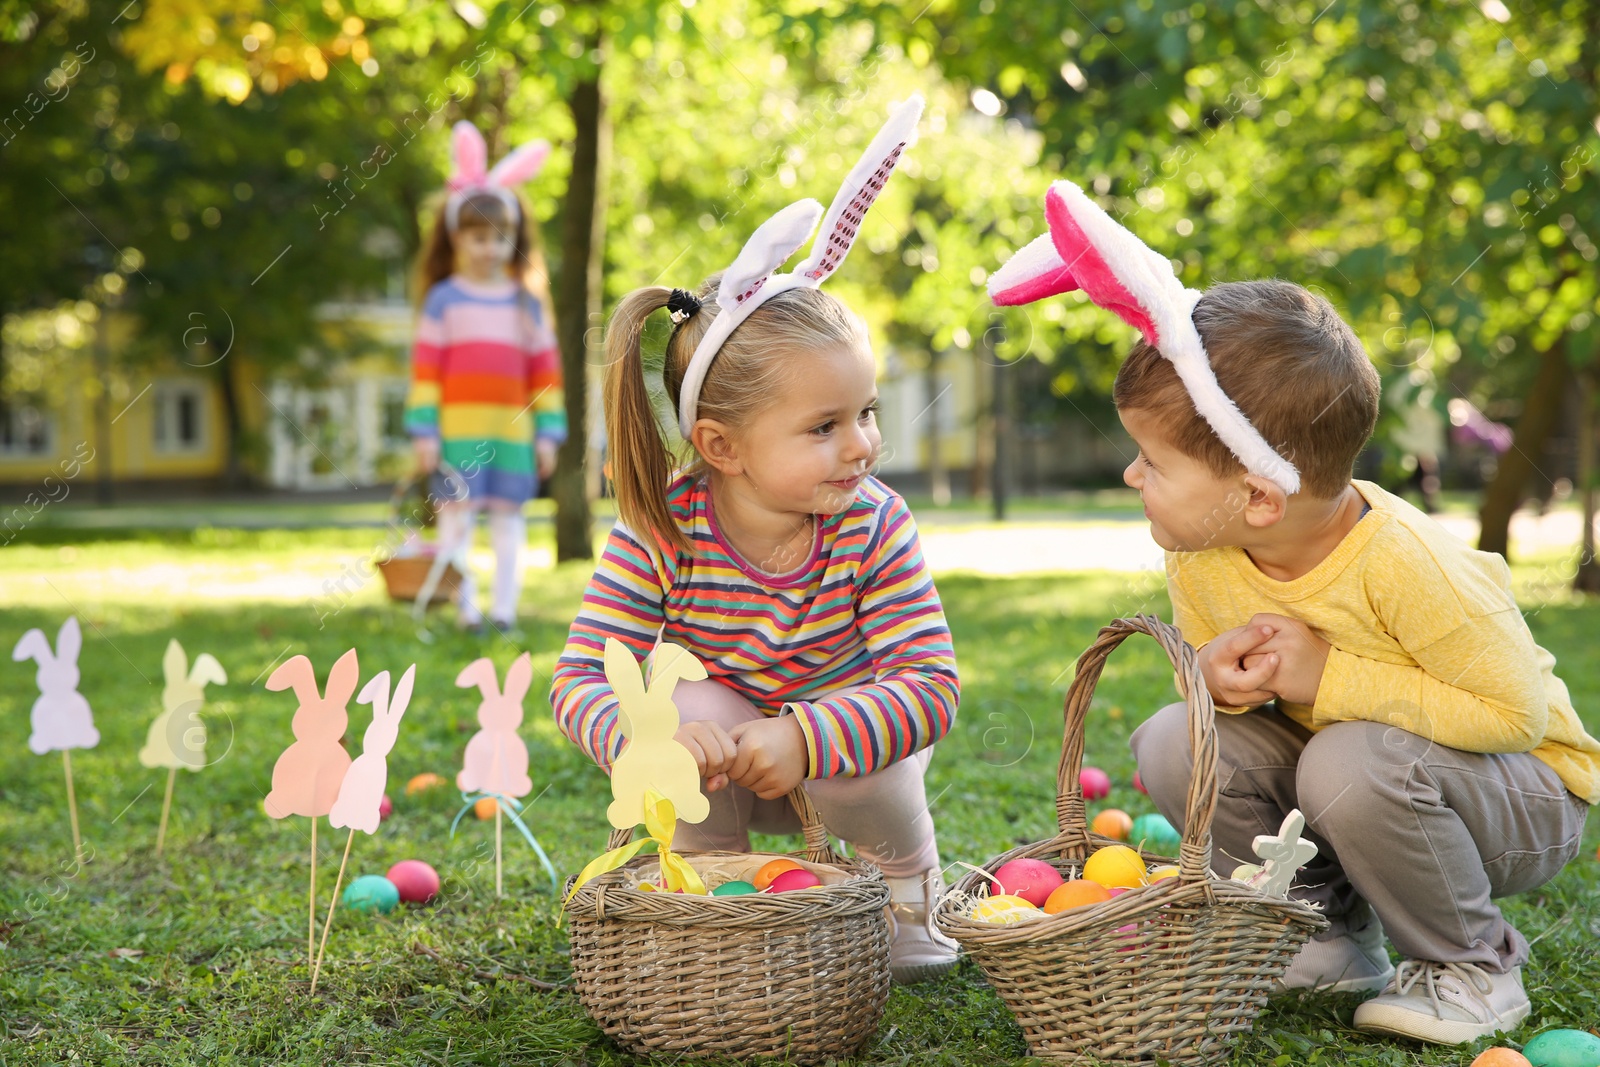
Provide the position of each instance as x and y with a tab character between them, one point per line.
498	890
317	967
166	806
72	806
311	901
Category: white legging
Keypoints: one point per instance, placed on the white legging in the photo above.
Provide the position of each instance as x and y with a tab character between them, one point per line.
508	531
884	814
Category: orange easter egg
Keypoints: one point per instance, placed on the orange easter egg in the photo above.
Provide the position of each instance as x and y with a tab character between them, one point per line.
423	782
771	870
1115	865
1501	1057
1075	894
1113	823
484	808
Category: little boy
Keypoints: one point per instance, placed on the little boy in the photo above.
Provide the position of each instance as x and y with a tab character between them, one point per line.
1375	673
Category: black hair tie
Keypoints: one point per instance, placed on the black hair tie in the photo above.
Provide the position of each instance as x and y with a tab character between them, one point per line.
682	304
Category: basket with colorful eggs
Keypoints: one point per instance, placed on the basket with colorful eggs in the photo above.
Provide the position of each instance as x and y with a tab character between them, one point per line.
1108	952
719	955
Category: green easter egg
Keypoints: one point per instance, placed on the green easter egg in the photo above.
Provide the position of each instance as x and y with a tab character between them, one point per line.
371	892
1563	1048
734	889
1154	829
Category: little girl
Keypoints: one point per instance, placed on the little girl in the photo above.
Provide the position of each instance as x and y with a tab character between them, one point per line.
779	561
486	392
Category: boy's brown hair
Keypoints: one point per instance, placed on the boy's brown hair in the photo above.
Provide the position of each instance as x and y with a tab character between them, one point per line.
1292	365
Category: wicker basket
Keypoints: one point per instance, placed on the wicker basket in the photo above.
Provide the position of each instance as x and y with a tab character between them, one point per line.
802	975
1171	972
404	575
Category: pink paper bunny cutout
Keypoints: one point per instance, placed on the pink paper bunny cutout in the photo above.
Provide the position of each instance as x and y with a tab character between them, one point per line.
61	717
497	758
306	778
361	793
1087	249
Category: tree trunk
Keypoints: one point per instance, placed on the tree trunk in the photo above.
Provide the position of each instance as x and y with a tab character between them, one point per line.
1587	578
1540	413
578	307
933	429
982	421
233	467
1002	432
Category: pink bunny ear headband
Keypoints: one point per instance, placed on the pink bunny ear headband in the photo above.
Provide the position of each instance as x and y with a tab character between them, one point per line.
752	280
469	176
1087	249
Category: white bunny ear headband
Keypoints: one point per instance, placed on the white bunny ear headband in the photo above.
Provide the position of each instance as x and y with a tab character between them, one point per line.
752	280
1087	249
470	177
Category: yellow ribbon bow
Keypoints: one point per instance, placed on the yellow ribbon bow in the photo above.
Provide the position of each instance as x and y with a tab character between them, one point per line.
661	820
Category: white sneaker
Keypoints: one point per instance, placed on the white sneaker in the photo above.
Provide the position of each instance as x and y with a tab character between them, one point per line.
1446	1003
917	951
1356	962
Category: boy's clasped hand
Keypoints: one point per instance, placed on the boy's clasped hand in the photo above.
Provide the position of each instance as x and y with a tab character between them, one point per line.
1271	657
767	756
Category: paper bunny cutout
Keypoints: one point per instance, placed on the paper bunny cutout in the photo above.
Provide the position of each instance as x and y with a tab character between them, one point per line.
177	737
750	280
497	759
1087	249
361	793
469	174
652	758
306	778
1282	854
61	718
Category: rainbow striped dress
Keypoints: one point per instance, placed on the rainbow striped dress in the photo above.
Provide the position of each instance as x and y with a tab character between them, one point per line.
486	380
860	611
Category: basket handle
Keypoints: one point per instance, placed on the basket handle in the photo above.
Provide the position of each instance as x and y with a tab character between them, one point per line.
819	849
1194	854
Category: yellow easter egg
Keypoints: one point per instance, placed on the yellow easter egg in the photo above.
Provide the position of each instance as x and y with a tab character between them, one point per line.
1115	866
1004	909
1158	873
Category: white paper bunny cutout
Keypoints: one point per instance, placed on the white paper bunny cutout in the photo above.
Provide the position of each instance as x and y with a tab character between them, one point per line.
1282	854
470	174
361	793
1087	249
750	280
61	717
497	759
177	737
652	758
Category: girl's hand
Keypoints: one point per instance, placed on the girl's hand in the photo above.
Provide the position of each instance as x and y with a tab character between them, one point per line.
713	750
771	757
544	454
426	449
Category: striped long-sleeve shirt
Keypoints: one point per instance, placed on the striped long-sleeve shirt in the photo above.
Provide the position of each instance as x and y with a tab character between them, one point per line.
486	380
861	611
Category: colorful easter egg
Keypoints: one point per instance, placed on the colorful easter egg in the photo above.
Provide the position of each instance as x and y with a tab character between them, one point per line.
385	808
371	892
422	783
1076	894
1138	783
1500	1057
1113	823
1095	783
1004	910
771	870
1115	865
1032	880
1154	830
1166	870
734	889
418	883
1563	1048
485	807
789	881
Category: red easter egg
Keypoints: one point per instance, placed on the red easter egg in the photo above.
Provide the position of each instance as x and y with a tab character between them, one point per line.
1138	784
385	808
418	883
1032	880
1117	890
789	881
1096	784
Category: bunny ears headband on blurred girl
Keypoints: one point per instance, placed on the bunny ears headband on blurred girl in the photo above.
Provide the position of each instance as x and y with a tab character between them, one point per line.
1087	249
752	280
469	176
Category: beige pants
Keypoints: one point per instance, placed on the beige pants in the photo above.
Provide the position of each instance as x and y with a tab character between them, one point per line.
884	814
1425	835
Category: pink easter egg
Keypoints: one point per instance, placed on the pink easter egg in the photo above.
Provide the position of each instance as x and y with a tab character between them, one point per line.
1096	784
1117	891
1138	784
385	808
418	883
1032	880
789	881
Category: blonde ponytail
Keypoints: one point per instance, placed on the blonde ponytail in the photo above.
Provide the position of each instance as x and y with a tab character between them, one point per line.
641	462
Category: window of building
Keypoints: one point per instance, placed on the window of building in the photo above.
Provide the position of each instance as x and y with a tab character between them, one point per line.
25	432
180	417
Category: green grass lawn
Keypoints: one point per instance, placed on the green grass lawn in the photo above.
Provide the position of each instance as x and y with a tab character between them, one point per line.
199	957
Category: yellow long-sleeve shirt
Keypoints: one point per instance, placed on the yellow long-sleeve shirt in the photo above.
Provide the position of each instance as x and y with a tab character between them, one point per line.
1426	636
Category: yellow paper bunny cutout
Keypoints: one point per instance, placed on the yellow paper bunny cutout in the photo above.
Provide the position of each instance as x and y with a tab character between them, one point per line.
651	756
